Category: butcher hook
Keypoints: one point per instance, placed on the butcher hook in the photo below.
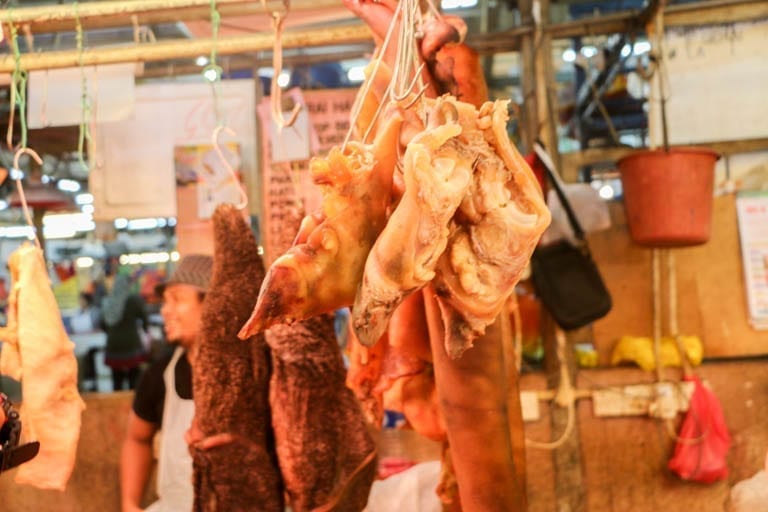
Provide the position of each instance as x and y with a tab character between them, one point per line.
217	148
20	188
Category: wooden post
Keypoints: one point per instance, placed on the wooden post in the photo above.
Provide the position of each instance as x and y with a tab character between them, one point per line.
537	76
544	81
530	111
256	176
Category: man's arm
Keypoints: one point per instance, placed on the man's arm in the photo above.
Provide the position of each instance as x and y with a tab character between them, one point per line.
135	462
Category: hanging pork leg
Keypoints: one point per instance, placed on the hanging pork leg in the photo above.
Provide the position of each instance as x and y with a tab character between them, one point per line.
321	273
327	456
231	379
480	417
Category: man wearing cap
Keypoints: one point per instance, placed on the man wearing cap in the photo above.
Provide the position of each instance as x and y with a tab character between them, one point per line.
163	398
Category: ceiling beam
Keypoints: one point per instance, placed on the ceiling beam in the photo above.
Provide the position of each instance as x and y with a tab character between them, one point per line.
179	49
249	63
110	14
678	15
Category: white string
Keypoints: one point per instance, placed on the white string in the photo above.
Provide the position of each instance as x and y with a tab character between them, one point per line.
565	393
358	105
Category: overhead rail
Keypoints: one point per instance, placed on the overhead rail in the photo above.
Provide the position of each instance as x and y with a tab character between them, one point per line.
186	48
95	15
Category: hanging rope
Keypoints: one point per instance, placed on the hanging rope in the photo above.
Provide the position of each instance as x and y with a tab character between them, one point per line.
213	66
684	361
275	91
18	90
366	87
565	397
656	277
84	97
93	125
402	84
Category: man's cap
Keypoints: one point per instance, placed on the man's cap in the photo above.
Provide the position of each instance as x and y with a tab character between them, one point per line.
192	269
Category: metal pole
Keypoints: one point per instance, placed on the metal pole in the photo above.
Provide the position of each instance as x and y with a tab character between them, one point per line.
53	18
165	50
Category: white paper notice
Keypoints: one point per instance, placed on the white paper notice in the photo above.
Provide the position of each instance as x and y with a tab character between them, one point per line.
56	95
292	142
752	209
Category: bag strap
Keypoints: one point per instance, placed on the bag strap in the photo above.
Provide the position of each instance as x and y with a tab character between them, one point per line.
555	179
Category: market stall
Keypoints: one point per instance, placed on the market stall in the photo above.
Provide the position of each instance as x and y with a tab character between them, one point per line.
439	278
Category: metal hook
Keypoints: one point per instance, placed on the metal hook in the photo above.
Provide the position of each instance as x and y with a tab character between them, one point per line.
217	148
275	93
20	188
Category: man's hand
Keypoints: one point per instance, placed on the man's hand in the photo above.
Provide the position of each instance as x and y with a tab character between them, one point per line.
197	441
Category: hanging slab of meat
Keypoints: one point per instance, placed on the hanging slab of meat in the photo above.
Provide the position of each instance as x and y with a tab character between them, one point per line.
493	234
321	274
397	372
404	256
326	454
407	378
454	66
365	374
231	382
479	398
43	357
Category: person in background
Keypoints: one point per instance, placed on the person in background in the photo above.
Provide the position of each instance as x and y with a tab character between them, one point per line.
121	314
164	398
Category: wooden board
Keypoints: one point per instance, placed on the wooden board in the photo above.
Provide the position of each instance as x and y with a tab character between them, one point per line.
711	295
95	481
625	459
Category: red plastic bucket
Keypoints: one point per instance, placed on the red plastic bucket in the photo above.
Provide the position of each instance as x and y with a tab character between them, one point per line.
668	195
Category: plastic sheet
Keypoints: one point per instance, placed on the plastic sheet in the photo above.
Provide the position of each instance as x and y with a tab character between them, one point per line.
412	490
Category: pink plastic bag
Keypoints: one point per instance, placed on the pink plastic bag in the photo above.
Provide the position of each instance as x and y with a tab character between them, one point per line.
701	453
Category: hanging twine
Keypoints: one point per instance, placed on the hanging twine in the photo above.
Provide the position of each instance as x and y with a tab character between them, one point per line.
402	85
85	107
213	65
565	397
18	91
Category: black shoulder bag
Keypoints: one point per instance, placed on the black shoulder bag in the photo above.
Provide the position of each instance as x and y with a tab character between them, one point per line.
565	276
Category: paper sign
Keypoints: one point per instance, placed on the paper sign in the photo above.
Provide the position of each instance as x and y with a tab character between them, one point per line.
202	166
55	96
752	210
292	142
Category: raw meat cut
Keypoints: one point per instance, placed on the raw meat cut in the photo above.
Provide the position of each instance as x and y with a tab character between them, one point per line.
231	382
42	356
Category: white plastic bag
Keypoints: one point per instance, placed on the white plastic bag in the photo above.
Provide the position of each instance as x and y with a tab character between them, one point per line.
412	490
591	211
750	495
